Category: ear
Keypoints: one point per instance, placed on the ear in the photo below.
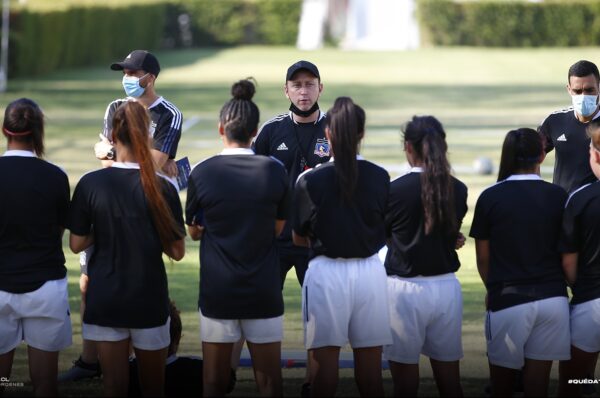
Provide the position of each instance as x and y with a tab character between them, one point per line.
149	80
596	155
221	129
542	156
568	87
285	90
253	134
320	88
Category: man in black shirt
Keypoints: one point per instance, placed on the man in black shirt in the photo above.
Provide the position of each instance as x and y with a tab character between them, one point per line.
564	130
297	139
140	71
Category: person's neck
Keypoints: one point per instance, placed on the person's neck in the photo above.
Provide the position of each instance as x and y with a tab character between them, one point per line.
415	162
586	119
236	145
308	119
532	170
19	146
124	155
148	98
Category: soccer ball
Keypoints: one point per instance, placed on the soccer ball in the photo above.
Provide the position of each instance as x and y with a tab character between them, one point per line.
483	166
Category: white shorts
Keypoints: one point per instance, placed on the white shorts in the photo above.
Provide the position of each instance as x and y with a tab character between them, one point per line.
41	318
585	325
426	318
150	339
257	331
537	330
84	259
345	301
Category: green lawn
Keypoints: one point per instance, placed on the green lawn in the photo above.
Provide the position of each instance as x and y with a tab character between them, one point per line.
478	94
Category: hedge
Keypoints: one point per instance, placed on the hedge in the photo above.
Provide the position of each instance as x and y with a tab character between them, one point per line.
510	24
46	40
233	22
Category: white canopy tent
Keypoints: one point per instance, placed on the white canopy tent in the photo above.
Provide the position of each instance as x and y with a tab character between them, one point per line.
366	24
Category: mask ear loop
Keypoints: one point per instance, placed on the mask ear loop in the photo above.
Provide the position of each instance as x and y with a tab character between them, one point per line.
141	77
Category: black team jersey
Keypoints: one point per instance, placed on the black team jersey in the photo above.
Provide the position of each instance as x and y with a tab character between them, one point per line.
581	234
337	229
127	278
298	146
411	252
563	132
521	218
237	196
165	127
34	202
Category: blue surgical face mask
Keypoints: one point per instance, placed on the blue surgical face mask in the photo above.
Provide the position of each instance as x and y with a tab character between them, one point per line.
585	105
131	85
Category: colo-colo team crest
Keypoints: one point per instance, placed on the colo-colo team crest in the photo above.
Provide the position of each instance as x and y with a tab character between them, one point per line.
322	147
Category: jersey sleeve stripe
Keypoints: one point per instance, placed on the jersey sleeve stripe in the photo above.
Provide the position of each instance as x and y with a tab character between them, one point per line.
277	118
581	188
175	128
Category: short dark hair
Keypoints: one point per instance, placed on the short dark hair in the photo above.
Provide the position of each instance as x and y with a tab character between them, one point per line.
583	68
593	131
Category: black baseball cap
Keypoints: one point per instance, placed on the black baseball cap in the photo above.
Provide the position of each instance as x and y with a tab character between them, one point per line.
302	65
139	60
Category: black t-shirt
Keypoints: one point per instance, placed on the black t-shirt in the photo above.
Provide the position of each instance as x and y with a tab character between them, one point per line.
34	202
297	145
127	280
183	377
521	218
337	229
411	252
165	128
237	196
581	234
565	133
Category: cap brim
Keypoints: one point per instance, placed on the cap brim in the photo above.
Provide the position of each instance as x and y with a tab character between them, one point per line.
123	65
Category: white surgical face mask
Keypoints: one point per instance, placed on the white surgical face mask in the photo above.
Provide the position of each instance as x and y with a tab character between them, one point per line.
131	85
585	105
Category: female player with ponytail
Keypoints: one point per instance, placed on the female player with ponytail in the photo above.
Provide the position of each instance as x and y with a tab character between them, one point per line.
339	212
425	211
516	227
132	216
34	201
237	205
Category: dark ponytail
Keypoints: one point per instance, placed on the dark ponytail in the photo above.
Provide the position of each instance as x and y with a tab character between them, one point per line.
239	116
130	128
428	139
521	151
24	122
346	123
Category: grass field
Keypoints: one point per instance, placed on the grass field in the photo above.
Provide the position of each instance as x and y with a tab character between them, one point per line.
478	94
